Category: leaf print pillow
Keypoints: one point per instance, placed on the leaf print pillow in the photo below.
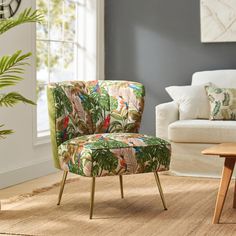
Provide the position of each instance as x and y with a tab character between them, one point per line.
222	103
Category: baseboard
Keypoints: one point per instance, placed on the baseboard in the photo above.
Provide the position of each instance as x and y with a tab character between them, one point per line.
30	171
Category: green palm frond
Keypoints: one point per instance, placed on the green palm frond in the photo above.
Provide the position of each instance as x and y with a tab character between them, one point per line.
3	133
27	16
11	68
11	99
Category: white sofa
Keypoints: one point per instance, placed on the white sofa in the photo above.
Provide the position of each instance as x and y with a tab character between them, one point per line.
190	137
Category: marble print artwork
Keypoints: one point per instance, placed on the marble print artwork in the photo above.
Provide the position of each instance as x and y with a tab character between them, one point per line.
218	20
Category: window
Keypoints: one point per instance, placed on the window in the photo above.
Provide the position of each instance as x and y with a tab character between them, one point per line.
66	47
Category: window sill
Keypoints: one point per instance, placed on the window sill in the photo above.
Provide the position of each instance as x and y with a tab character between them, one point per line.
42	138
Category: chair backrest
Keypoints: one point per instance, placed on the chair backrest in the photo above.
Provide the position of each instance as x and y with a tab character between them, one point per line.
82	108
220	78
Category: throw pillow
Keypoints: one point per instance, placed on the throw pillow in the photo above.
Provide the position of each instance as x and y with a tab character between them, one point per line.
222	103
192	100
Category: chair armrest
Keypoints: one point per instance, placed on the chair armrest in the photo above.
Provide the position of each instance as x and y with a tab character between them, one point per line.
166	114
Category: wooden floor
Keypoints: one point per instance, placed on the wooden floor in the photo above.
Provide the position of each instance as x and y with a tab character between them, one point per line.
190	208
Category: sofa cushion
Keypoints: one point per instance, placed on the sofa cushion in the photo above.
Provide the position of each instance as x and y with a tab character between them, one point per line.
202	131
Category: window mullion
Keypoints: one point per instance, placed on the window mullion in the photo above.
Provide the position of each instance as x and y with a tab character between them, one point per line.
63	32
63	20
61	41
49	36
77	42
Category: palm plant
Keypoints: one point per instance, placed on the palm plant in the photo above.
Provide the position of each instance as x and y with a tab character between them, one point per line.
12	67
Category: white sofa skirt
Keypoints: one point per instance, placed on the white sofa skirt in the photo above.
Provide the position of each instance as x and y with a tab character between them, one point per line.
187	160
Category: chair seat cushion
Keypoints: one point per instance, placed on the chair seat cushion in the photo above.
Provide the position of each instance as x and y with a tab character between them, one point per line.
114	154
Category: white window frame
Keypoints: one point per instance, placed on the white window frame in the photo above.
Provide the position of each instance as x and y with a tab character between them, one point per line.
95	47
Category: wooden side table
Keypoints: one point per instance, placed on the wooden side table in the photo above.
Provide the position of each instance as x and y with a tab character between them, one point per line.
227	151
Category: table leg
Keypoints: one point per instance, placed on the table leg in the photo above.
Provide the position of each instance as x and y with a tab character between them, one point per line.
224	185
234	204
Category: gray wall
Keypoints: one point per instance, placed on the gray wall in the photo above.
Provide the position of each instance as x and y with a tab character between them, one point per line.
157	42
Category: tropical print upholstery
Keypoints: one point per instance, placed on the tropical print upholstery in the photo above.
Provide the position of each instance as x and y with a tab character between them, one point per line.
96	107
222	103
94	129
114	154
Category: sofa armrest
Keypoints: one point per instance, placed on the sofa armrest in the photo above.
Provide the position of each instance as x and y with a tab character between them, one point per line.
166	114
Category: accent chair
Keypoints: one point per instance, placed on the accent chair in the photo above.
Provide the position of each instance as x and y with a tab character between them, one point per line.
94	132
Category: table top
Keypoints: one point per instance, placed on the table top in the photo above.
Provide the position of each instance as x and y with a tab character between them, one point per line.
222	150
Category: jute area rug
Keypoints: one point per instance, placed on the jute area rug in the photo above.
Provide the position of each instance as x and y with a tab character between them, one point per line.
190	209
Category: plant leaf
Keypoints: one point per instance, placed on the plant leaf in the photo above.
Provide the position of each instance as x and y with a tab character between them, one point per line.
10	68
27	16
11	99
3	133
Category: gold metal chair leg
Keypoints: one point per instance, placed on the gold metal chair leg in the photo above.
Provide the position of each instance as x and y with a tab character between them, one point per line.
160	189
92	197
62	186
121	186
